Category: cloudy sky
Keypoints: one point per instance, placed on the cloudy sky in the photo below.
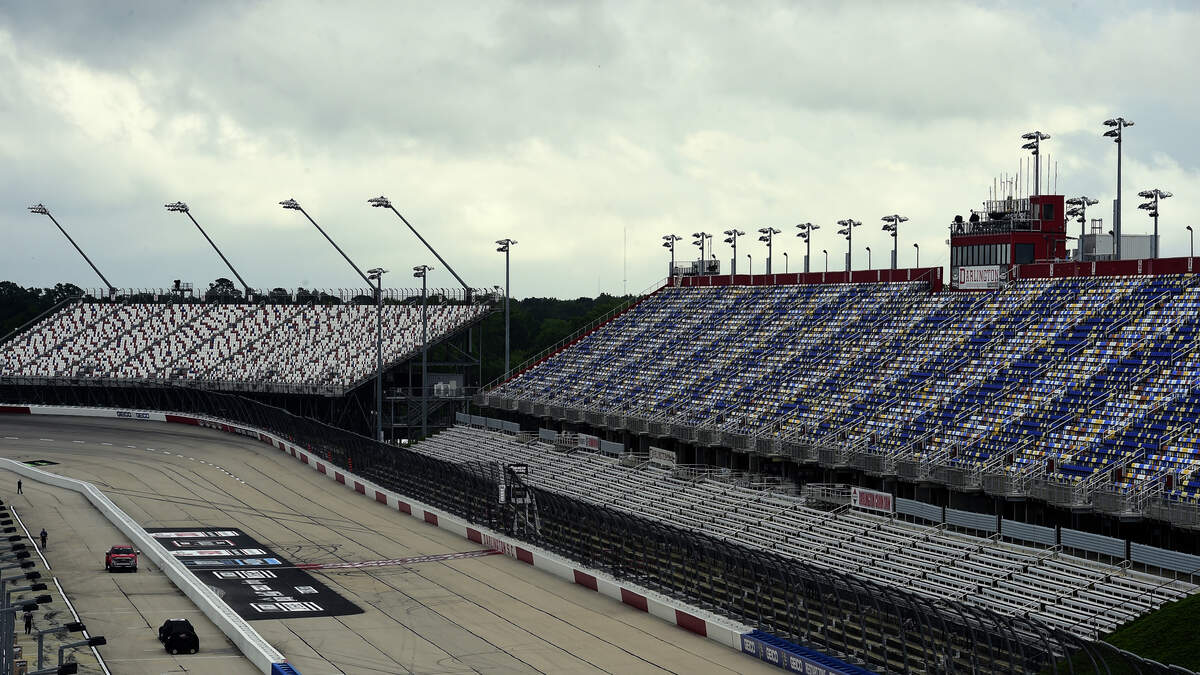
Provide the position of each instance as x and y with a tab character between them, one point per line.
585	131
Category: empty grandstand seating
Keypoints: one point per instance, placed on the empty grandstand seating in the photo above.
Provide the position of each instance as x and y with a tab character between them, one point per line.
328	345
1054	377
1081	596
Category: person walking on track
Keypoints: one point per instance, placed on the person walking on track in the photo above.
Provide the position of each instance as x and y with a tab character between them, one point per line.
20	487
43	535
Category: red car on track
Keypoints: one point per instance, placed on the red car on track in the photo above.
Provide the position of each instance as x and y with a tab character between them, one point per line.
121	557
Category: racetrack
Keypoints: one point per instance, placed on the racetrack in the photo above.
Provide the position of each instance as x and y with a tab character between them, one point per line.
486	614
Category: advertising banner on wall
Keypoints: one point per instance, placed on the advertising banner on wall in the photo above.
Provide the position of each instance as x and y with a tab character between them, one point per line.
872	500
978	277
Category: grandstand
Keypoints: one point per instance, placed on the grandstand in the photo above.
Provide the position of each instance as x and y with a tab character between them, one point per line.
1084	597
308	345
1077	385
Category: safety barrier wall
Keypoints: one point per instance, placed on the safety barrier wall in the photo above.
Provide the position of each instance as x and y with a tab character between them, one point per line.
836	613
252	645
685	616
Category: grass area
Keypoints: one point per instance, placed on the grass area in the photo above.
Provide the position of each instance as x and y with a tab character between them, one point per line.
1167	636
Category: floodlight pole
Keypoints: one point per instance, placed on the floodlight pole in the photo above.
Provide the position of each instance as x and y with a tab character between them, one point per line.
183	208
1117	133
805	233
731	239
669	242
785	262
42	210
421	271
892	224
918	247
1034	145
293	205
1152	206
506	248
382	201
1191	243
768	236
868	258
377	273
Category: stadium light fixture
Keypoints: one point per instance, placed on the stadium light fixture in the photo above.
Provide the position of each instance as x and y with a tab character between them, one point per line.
868	258
749	265
669	242
1116	131
732	240
1155	195
1079	212
41	210
847	231
385	203
1034	145
377	273
700	238
421	272
826	252
805	233
1191	243
768	236
918	247
180	207
785	262
505	248
892	224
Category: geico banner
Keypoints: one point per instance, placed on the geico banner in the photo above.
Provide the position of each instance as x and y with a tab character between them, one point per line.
872	500
979	277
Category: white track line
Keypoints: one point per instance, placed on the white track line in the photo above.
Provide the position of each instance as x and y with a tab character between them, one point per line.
61	592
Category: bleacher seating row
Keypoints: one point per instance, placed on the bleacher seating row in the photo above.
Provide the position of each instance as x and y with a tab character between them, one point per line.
1072	374
1082	596
279	344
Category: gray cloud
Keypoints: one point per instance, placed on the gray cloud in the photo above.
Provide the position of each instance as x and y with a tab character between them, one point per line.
572	128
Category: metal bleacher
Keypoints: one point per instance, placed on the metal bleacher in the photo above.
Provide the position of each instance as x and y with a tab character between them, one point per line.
1084	597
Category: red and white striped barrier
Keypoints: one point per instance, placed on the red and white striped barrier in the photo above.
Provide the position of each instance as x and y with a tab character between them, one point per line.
666	608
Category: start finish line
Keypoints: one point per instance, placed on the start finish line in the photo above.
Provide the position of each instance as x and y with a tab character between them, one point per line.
397	561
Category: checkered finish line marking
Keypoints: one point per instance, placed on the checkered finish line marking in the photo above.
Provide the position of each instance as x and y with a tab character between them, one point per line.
439	557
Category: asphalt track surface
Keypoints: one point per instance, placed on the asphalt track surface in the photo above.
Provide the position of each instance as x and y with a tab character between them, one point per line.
488	614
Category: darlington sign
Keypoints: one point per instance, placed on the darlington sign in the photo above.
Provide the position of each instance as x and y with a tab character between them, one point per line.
872	500
979	277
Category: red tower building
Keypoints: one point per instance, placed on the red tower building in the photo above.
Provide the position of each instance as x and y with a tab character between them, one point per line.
1007	232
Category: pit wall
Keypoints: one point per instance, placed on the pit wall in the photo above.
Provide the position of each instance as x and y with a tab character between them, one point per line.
758	644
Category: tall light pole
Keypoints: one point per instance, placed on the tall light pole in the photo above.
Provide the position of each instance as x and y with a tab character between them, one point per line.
732	240
1078	211
826	252
293	205
847	230
505	247
700	238
377	273
868	258
1191	243
785	262
1155	195
180	207
1116	132
42	210
669	242
918	247
420	272
768	236
892	224
385	203
805	234
1034	145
